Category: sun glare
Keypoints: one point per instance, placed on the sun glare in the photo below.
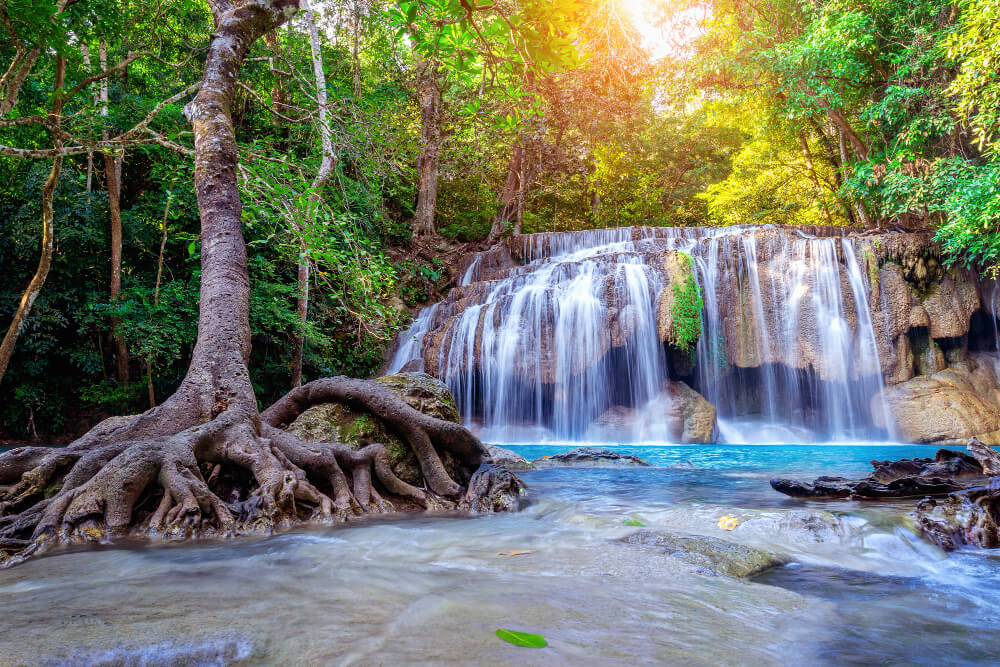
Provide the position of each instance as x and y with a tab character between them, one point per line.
665	33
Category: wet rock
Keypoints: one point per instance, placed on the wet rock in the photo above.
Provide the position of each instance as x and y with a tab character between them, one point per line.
493	488
510	460
591	457
947	472
336	422
678	414
709	555
946	407
693	416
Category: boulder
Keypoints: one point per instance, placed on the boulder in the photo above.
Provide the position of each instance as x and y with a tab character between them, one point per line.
946	407
678	414
590	457
709	555
510	460
693	416
336	422
493	488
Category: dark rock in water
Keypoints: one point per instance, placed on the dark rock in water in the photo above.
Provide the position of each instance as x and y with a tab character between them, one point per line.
709	555
493	488
509	460
591	457
947	472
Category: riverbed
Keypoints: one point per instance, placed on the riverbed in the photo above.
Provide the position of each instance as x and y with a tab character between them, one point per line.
859	587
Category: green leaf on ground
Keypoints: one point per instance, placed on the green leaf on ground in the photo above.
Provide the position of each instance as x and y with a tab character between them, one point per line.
634	522
521	638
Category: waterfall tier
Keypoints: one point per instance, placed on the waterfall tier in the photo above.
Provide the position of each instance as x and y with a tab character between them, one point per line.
593	335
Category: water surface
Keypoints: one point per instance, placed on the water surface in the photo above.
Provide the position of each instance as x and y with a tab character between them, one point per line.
860	587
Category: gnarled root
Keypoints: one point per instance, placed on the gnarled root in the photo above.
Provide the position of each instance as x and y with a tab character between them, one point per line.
237	473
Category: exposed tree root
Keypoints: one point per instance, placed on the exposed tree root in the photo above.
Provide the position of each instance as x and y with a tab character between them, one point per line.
236	473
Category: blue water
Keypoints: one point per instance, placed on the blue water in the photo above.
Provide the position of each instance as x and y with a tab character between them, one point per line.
859	586
787	460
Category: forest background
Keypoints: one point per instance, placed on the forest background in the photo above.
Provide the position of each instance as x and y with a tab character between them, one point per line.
381	141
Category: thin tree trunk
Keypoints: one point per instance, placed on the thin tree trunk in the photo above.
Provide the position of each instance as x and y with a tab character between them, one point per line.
112	178
322	176
156	293
428	164
509	196
811	169
48	228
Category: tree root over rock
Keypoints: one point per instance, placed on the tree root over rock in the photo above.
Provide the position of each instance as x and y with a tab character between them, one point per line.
236	473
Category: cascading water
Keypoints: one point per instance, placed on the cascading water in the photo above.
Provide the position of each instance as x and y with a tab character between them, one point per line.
558	346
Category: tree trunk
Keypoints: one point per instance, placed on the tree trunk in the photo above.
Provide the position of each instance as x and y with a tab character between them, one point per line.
428	164
510	195
48	229
322	176
112	178
109	481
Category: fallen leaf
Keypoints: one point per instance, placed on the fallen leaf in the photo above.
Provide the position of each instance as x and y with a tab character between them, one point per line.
727	522
521	638
634	522
515	552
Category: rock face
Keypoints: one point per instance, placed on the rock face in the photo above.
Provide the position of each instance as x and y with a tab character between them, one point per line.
948	406
590	457
709	555
335	422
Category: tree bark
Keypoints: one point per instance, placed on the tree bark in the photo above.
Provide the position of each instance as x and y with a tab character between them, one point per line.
510	194
428	164
109	481
48	228
112	179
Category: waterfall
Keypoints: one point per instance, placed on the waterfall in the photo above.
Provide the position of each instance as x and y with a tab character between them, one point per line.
566	343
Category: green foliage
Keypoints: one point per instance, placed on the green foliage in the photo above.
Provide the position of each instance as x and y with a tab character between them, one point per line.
687	307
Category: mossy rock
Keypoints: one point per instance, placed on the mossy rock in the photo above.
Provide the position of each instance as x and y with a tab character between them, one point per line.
709	555
336	422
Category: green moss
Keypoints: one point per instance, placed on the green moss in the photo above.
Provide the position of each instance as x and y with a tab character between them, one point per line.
687	308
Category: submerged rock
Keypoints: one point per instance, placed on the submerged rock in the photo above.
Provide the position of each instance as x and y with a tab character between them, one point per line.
709	555
591	457
509	460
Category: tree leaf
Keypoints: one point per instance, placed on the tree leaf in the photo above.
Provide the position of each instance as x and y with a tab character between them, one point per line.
521	638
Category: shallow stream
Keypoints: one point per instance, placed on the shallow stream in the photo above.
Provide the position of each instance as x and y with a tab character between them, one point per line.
860	586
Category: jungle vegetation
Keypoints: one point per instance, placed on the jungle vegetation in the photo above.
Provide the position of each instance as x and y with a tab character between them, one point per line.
377	140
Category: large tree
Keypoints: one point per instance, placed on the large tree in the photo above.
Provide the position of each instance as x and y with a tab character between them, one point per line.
143	474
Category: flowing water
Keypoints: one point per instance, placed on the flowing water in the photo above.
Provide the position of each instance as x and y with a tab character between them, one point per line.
549	346
860	588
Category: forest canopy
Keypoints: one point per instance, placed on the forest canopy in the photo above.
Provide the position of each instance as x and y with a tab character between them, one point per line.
378	140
